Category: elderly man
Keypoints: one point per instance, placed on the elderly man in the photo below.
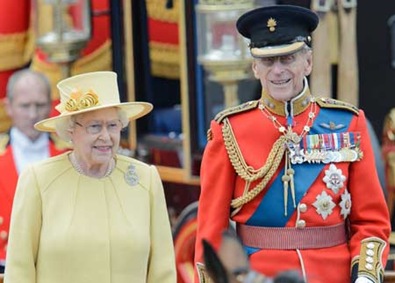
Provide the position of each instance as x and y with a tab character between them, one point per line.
28	101
295	173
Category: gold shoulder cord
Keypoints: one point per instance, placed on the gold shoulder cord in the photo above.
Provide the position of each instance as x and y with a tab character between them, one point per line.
246	172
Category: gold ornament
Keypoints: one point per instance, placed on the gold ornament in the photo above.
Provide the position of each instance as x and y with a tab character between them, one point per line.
271	24
79	101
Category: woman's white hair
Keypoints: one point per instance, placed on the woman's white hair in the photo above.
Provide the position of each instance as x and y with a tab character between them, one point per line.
64	125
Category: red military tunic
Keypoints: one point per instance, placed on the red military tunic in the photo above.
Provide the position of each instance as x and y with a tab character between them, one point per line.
8	181
333	204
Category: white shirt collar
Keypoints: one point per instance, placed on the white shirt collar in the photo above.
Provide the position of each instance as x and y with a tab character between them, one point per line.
26	151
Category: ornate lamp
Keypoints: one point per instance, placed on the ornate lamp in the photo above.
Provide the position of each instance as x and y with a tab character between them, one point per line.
63	27
221	50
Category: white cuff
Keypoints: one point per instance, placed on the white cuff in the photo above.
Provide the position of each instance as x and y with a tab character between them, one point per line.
363	279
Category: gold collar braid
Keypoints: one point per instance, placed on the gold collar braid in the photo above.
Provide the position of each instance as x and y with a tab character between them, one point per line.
298	103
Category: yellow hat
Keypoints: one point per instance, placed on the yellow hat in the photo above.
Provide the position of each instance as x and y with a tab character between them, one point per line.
89	92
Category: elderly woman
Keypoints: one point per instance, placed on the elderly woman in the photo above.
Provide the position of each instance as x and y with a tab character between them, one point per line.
90	215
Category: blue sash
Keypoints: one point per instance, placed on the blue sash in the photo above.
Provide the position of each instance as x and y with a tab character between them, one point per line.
270	212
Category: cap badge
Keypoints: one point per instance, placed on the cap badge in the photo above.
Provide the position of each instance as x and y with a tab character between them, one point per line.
80	101
271	24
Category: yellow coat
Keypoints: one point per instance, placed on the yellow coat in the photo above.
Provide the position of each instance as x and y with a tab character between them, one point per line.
67	227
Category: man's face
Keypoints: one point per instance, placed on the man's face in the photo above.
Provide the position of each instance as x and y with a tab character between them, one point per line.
282	76
30	103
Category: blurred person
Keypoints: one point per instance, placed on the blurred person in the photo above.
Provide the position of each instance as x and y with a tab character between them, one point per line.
388	154
295	173
90	215
230	264
28	100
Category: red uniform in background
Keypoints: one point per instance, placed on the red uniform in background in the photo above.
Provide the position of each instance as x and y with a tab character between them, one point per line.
8	181
15	39
16	46
18	49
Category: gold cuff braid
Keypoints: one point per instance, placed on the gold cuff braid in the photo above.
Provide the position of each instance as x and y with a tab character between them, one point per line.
369	260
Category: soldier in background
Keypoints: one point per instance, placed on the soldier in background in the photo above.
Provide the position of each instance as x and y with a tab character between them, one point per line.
28	101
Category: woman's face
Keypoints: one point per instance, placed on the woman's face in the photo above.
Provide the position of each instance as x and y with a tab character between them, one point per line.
282	76
96	136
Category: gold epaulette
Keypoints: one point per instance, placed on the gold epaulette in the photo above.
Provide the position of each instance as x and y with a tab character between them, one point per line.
4	140
236	109
59	143
326	102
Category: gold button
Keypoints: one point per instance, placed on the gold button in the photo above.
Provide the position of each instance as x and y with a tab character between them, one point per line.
302	207
370	245
301	224
369	259
369	252
1	220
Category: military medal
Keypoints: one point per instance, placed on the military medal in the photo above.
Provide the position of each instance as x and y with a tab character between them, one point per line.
334	178
345	204
293	154
328	148
324	205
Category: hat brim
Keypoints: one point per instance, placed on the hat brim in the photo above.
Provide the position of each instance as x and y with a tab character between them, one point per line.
133	110
278	50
